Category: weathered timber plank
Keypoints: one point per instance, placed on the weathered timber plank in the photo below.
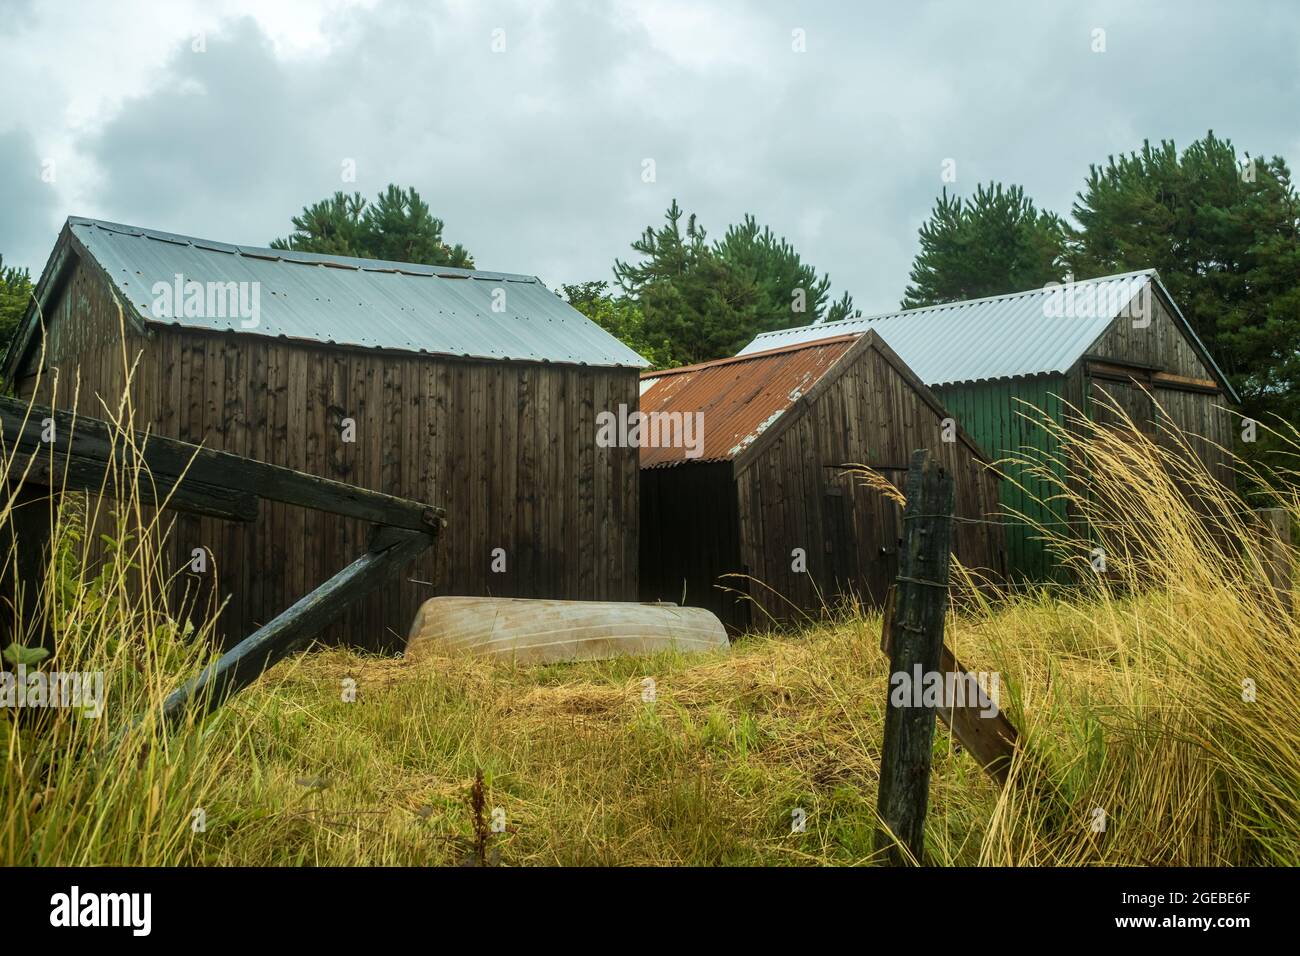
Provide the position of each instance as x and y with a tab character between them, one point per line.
74	473
92	439
294	627
990	738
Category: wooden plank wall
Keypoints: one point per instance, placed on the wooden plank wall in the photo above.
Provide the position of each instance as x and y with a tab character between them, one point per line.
1009	420
791	496
508	449
1160	343
1163	346
84	335
1129	353
90	348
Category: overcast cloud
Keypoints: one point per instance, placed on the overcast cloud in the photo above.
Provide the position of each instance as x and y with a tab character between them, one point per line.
533	156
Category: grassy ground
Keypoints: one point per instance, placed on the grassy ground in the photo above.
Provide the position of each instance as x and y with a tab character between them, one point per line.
710	772
1154	702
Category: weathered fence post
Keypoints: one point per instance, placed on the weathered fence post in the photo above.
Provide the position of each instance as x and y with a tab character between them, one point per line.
915	651
973	717
1275	551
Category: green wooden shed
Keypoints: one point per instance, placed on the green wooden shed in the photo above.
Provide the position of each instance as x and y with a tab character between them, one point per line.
992	361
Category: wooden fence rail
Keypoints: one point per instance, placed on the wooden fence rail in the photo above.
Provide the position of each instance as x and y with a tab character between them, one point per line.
51	451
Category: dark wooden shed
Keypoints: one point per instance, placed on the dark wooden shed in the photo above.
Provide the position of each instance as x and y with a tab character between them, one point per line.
1004	363
779	429
473	391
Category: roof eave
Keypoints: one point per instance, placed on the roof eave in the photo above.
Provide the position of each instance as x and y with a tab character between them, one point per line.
50	281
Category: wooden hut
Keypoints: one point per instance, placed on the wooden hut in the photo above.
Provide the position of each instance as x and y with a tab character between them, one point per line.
1001	363
766	491
473	391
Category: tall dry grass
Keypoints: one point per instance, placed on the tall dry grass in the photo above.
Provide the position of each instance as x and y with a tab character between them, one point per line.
75	787
1157	694
1127	689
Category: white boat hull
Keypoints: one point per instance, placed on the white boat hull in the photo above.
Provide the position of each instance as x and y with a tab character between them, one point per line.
544	632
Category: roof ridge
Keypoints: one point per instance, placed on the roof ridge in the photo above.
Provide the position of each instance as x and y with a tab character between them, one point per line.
357	263
961	303
736	359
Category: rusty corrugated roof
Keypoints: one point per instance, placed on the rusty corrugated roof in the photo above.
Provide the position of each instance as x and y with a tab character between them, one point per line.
740	397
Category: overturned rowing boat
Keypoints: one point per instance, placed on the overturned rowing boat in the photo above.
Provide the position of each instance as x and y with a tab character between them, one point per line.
543	632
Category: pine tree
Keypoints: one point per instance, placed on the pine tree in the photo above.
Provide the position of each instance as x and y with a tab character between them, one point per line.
691	299
1224	233
400	228
397	227
15	297
333	226
994	243
790	293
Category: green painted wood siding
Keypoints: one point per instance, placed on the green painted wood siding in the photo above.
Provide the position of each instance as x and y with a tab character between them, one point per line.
994	414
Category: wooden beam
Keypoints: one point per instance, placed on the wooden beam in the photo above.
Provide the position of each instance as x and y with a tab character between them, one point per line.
170	460
916	653
74	473
849	466
1185	383
1113	370
1115	362
294	627
1128	378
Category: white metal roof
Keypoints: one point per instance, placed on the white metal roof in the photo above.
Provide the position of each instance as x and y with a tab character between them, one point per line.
357	302
1023	333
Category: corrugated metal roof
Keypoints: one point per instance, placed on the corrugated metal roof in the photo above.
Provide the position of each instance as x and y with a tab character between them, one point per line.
359	302
1003	336
740	398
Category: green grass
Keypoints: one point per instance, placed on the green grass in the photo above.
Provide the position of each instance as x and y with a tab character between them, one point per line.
1127	692
709	773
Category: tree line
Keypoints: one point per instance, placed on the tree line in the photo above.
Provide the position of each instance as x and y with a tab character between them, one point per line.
1221	227
685	299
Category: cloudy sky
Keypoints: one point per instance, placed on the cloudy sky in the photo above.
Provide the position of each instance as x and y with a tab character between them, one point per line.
831	122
